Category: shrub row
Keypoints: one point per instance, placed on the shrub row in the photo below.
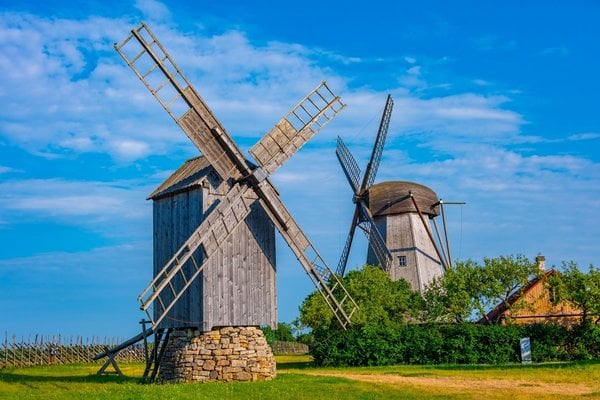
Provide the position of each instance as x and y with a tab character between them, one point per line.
463	343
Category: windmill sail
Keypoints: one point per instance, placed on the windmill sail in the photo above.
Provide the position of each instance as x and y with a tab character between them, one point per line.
362	216
297	127
161	76
349	164
341	267
373	165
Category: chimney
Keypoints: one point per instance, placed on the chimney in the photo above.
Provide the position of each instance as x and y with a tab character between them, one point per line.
540	260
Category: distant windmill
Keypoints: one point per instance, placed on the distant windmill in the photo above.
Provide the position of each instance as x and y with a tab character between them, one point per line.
395	217
240	189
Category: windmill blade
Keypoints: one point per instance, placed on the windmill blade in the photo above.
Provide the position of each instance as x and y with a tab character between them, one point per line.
144	54
341	268
375	238
173	280
341	303
299	125
349	164
190	112
373	164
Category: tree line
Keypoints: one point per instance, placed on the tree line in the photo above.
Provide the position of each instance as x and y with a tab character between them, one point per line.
394	320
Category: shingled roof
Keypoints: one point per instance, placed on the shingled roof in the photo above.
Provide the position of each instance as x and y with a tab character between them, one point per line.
187	176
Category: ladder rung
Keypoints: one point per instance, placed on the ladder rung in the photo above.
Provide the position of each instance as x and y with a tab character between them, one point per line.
137	56
185	279
298	117
306	111
343	300
162	85
314	104
321	96
160	301
144	75
172	288
173	100
195	264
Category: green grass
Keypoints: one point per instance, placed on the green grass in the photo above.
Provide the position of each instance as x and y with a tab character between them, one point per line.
298	379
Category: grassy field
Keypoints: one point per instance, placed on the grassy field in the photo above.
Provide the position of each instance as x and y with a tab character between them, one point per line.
297	379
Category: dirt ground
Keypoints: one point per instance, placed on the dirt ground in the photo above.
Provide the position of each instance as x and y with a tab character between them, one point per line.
465	384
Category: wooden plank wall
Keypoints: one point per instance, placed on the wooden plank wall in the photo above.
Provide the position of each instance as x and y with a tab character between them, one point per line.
406	236
237	286
540	309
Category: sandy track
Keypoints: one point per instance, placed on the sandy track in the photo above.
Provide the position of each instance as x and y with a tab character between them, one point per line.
509	385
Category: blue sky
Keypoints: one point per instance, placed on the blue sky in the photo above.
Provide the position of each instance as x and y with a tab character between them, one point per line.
495	105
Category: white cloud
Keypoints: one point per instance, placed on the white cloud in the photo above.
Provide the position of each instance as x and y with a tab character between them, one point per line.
107	207
481	82
412	78
154	10
4	169
71	92
584	136
86	99
69	89
130	149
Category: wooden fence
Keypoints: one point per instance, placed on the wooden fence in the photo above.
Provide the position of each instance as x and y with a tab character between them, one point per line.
48	350
280	347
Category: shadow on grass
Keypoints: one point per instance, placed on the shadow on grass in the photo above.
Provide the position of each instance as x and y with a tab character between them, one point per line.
15	377
295	365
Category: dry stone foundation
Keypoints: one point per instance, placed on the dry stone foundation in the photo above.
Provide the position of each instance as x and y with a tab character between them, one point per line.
225	354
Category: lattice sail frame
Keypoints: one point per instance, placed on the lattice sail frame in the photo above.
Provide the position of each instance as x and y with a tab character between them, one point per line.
362	217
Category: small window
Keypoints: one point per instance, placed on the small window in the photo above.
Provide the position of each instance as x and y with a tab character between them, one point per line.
402	261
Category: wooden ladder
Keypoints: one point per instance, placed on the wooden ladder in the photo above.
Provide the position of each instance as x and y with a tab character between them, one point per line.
154	357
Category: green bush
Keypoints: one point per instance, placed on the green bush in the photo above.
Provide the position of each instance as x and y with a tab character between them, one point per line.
585	340
463	343
497	344
549	342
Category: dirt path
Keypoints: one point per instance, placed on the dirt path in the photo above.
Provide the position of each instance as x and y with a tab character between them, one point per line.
509	385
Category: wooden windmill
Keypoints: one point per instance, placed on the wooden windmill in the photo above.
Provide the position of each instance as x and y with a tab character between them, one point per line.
395	217
244	187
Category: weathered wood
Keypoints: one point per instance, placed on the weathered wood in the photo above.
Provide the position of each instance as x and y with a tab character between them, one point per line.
198	122
226	293
301	123
406	236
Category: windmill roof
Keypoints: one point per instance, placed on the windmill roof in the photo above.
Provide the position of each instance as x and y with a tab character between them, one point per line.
187	176
391	198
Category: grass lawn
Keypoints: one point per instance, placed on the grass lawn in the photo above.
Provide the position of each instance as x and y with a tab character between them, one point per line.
297	379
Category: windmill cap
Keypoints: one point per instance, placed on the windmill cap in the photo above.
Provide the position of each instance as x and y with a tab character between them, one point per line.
392	197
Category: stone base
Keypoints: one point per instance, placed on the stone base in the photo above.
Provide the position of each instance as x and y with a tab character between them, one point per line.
225	354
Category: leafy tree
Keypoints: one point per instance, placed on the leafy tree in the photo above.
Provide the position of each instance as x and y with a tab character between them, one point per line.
450	297
381	301
471	290
500	278
283	333
580	289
